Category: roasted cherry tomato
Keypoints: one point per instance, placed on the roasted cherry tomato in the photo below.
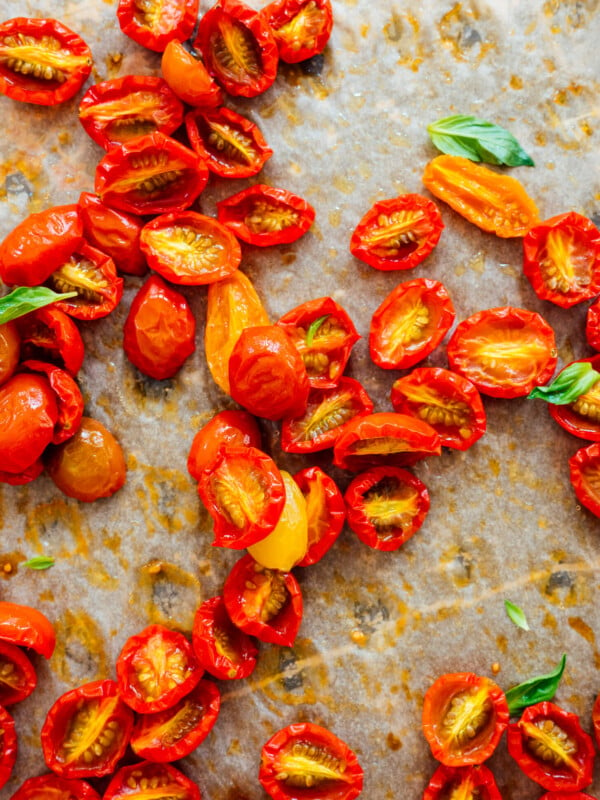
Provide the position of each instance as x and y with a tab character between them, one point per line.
69	400
154	23
584	469
26	627
8	746
10	349
48	334
566	796
495	202
87	730
385	506
243	491
27	475
324	335
53	787
325	511
305	760
581	417
592	325
301	27
504	351
176	732
156	668
267	374
410	323
397	233
327	413
561	259
40	244
231	145
238	48
139	782
222	649
232	427
188	77
264	603
89	465
264	215
114	232
114	112
18	677
468	783
385	438
153	174
550	746
159	332
464	717
42	61
446	400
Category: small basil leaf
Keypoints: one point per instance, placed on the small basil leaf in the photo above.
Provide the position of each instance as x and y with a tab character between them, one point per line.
516	615
39	562
313	328
478	140
574	380
535	690
24	299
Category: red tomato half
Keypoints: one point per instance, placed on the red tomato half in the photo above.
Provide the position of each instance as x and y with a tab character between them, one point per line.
325	510
139	782
306	760
28	415
582	417
585	476
301	27
188	77
8	746
69	400
18	677
48	334
115	233
470	783
231	427
53	787
10	349
26	627
155	23
42	61
222	649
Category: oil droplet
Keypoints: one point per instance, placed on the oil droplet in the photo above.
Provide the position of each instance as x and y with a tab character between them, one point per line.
516	82
495	668
9	563
393	742
359	637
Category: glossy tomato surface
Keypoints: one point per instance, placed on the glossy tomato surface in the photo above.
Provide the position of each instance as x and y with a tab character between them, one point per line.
8	746
584	469
10	349
188	77
69	400
468	782
155	23
225	651
53	787
325	511
18	677
231	427
139	782
301	27
48	334
26	626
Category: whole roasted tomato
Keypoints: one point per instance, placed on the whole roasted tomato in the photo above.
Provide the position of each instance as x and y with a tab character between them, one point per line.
188	77
115	233
325	511
469	782
584	469
69	400
155	23
53	787
48	334
18	677
25	626
301	27
139	782
232	427
8	746
221	648
10	350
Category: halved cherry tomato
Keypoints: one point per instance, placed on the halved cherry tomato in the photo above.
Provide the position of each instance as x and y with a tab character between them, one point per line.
41	61
156	668
264	215
222	649
385	438
238	48
385	506
471	783
87	730
410	323
26	627
550	746
154	23
325	510
301	27
153	174
397	233
18	677
232	427
10	349
89	465
231	144
264	603
504	351
445	400
139	782
243	491
584	469
581	417
48	334
561	259
495	202
188	77
464	717
176	732
53	787
159	332
114	232
69	400
592	325
324	335
305	760
115	111
8	746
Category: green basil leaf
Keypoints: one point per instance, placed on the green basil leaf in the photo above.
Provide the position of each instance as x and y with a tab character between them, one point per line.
24	299
574	380
313	328
516	615
39	562
477	140
535	690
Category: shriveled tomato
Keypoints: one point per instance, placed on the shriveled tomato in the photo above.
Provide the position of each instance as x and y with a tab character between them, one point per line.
471	783
398	233
264	215
243	491
325	511
26	627
265	603
18	677
188	77
153	174
10	350
232	427
41	61
222	649
27	475
190	248
69	400
88	466
154	23
238	48
504	351
581	417
301	27
305	760
159	332
156	668
48	334
177	731
447	401
584	469
464	717
495	202
550	746
8	746
231	144
86	731
592	325
139	782
324	335
53	787
410	323
114	232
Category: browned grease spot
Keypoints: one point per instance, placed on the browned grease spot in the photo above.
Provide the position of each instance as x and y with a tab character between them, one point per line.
582	628
169	594
293	677
459	32
58	522
80	654
9	563
31	167
393	742
161	501
402	30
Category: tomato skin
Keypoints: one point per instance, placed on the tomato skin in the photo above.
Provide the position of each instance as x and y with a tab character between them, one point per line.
231	427
222	649
188	77
8	746
27	475
571	417
69	400
25	626
476	781
134	782
325	509
53	787
294	47
314	743
48	334
10	349
28	88
596	719
592	325
566	796
20	682
584	469
175	19
115	233
567	777
159	332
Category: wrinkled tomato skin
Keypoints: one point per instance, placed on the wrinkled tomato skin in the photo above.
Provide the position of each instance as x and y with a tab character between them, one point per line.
584	469
18	677
566	796
325	509
188	77
568	417
28	88
212	625
53	787
69	400
48	334
29	474
25	626
8	746
596	720
159	331
134	781
314	742
592	325
477	782
10	350
232	428
176	20
292	50
115	233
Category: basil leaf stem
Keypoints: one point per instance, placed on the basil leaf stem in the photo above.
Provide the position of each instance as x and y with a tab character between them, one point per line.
24	299
39	562
313	328
535	690
574	380
516	615
478	140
